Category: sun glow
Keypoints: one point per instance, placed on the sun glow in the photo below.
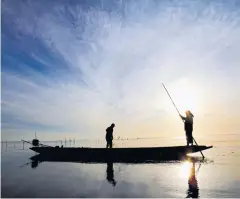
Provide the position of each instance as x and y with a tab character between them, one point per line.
185	169
186	96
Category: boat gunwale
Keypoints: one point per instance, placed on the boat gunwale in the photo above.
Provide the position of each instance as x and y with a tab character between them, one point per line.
126	148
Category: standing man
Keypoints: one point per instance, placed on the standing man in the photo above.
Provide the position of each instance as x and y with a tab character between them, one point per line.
188	126
109	135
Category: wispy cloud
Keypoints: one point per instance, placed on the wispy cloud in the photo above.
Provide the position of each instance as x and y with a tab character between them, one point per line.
75	67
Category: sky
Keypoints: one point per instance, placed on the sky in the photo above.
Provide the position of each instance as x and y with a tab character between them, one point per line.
71	68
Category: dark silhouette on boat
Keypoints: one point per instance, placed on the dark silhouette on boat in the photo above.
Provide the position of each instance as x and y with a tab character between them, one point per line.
188	126
109	135
114	154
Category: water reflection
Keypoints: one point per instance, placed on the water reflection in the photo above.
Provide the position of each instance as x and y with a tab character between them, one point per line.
193	190
34	164
187	170
110	174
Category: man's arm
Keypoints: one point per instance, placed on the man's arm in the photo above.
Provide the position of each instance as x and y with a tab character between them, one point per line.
184	118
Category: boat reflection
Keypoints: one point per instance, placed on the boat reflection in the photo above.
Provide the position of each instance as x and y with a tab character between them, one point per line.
34	164
109	172
188	169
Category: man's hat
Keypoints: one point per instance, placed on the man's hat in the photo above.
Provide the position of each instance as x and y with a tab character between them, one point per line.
189	113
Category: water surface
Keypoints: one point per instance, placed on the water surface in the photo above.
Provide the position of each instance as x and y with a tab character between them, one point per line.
216	176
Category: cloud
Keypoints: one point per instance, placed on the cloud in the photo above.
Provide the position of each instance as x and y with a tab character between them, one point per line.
85	66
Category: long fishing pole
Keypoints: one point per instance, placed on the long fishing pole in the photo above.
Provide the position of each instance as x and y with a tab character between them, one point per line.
171	99
180	114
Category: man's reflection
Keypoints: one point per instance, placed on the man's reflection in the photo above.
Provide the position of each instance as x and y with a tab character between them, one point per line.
110	174
193	190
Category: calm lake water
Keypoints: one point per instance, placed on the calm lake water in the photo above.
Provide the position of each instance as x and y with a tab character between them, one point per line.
217	176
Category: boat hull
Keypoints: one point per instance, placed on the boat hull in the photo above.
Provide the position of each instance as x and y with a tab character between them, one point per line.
116	154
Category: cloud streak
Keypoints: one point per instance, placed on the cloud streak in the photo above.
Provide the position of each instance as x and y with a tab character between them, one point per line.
86	65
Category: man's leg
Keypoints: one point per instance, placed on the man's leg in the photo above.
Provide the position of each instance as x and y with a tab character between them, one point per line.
191	138
189	135
110	144
187	139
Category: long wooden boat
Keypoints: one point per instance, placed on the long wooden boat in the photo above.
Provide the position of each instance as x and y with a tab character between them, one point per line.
106	154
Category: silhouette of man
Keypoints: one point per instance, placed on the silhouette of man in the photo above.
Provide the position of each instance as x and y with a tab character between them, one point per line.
109	135
188	126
